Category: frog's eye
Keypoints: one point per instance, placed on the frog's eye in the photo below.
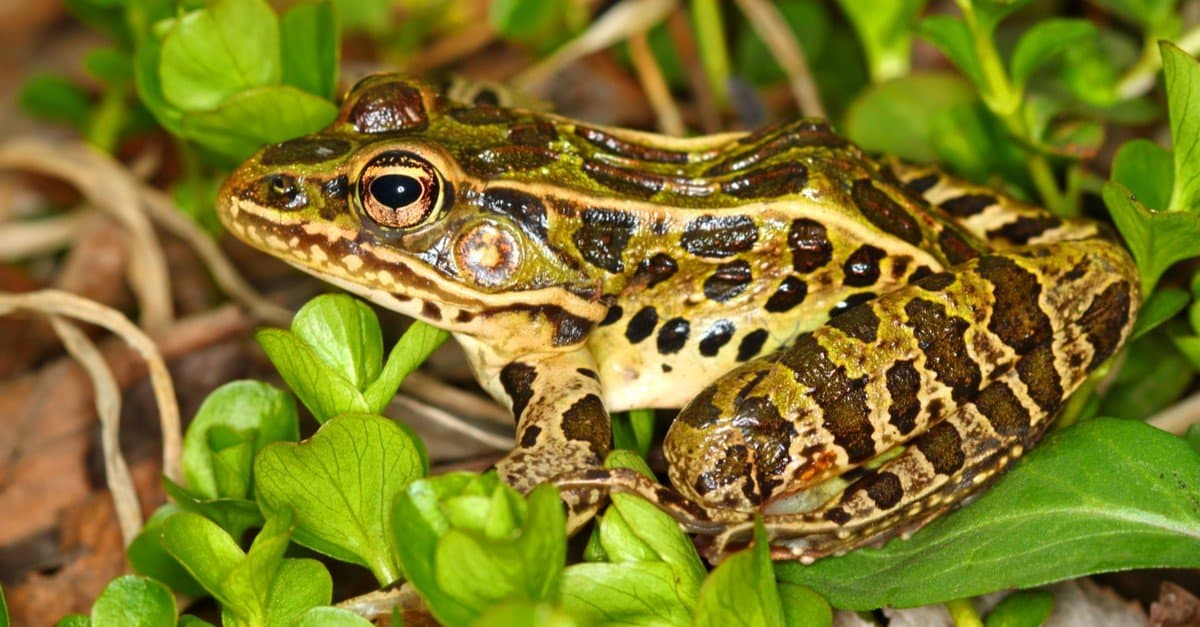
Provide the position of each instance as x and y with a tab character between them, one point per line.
400	189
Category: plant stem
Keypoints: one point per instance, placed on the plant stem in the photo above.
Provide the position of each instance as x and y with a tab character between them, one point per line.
1140	77
714	57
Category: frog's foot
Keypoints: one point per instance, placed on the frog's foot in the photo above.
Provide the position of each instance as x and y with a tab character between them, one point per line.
525	469
690	516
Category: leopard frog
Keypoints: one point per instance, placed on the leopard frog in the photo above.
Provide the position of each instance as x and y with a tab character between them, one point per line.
857	344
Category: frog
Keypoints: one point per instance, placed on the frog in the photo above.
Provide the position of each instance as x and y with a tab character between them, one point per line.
856	344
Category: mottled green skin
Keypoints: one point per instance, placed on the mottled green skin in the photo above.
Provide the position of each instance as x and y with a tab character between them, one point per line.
588	270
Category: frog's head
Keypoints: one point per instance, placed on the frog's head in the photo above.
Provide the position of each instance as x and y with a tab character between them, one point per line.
395	201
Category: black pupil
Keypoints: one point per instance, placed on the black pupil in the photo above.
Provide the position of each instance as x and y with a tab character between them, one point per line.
396	190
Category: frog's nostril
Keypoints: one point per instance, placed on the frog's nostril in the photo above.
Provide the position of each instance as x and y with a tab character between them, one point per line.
282	191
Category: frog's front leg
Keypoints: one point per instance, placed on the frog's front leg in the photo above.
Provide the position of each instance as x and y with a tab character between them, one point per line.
563	426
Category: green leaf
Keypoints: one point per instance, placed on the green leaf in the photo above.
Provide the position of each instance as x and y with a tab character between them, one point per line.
802	606
53	97
1146	169
634	530
414	347
1044	41
526	614
808	21
249	119
1183	103
326	616
1156	240
112	67
4	620
1058	515
340	484
147	555
1161	306
74	620
1135	396
134	602
215	53
634	430
344	332
1026	608
953	38
324	391
1146	13
1192	436
989	13
626	593
310	38
900	117
885	30
541	24
299	586
254	408
207	552
235	516
741	591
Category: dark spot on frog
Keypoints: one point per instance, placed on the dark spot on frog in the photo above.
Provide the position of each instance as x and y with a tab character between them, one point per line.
883	488
1036	371
767	435
967	205
941	337
568	328
791	292
498	160
517	380
920	273
937	282
482	115
719	236
884	212
1105	319
306	150
701	413
536	133
1003	410
673	335
844	400
655	270
525	209
810	245
772	181
614	314
463	316
1025	228
734	467
431	311
955	248
942	446
751	344
860	323
389	107
775	140
903	385
603	236
586	420
530	436
862	266
715	337
666	368
589	373
622	148
626	181
727	281
850	302
837	516
922	184
1016	317
641	325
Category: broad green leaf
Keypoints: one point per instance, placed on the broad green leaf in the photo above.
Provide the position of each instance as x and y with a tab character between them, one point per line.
1189	345
1147	13
1183	103
147	555
53	97
742	590
536	23
1135	396
187	620
205	550
344	332
634	530
235	516
248	119
526	614
134	601
802	606
309	33
808	21
327	616
1042	42
246	407
900	117
324	391
109	66
989	13
952	37
1192	436
74	620
414	347
1026	608
217	52
885	30
149	85
1161	306
1146	169
1076	138
1156	240
1058	515
299	586
340	484
625	593
634	430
